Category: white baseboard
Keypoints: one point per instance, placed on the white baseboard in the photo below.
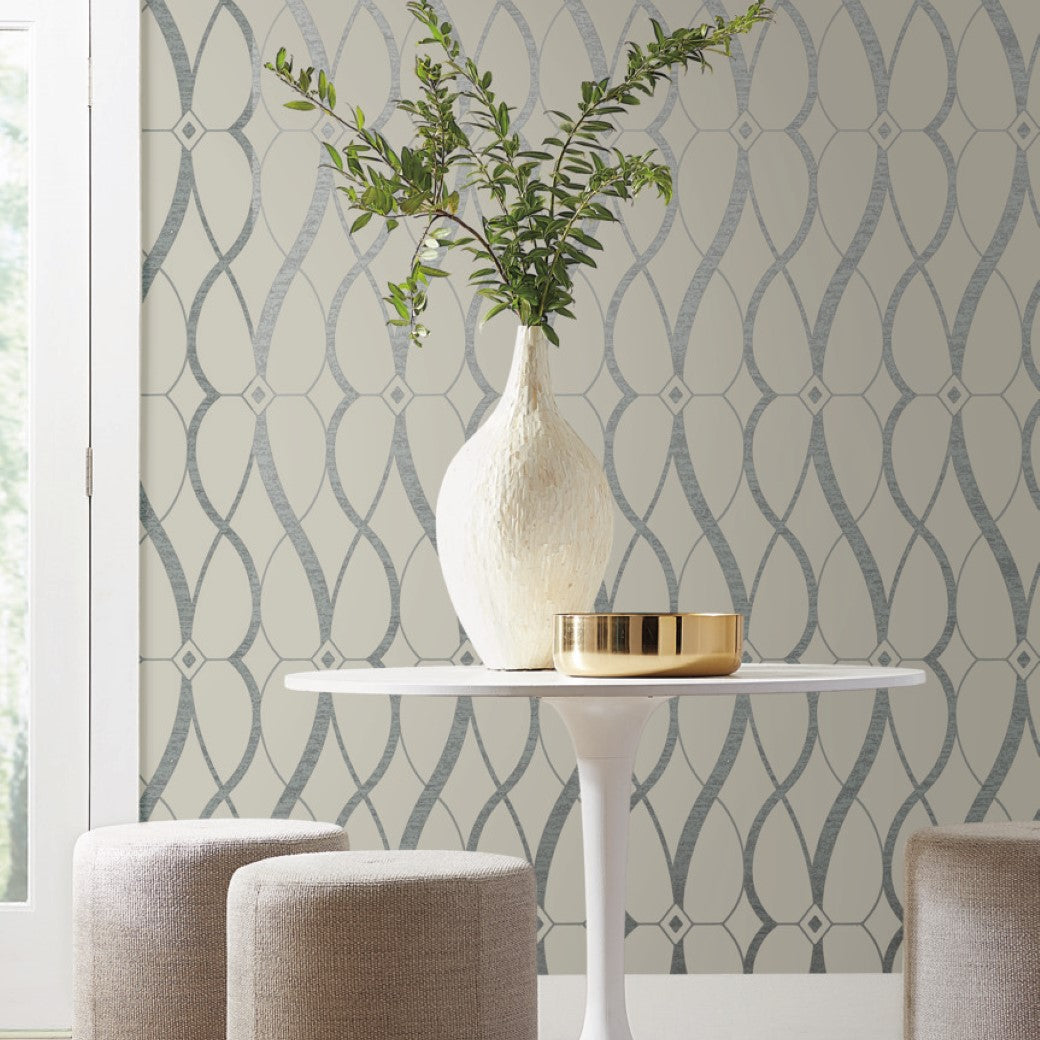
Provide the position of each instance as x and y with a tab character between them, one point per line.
737	1007
37	1035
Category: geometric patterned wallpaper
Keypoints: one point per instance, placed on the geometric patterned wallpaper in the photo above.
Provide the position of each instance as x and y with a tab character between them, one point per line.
814	383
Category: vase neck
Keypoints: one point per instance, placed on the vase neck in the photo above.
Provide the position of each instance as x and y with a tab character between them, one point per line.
529	386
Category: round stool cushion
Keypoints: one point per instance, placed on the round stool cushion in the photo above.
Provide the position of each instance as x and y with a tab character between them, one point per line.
972	932
383	946
149	937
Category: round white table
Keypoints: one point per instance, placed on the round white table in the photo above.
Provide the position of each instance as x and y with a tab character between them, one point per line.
605	719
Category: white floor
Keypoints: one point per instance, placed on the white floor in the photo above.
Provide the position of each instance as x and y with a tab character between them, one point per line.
737	1007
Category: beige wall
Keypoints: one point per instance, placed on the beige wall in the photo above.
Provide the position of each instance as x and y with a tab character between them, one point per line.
814	382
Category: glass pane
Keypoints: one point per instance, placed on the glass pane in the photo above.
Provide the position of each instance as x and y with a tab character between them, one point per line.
14	463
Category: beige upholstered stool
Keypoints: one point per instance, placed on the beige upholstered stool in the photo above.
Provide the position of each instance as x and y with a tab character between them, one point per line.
972	930
150	913
382	946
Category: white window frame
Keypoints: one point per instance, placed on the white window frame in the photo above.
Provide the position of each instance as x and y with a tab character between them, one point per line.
110	441
38	965
115	205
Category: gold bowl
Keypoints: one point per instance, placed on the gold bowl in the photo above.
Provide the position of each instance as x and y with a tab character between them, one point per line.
619	645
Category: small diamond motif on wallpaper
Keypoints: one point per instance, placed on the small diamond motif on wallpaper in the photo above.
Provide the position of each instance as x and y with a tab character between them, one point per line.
884	130
397	394
189	659
953	395
884	656
815	395
676	395
745	130
815	924
328	656
465	655
258	394
1023	130
189	130
675	924
1024	659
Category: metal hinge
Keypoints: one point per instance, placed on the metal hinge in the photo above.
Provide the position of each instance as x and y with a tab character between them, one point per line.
90	471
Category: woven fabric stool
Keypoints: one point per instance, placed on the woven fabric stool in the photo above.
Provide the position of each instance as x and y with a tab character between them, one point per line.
149	921
972	930
383	946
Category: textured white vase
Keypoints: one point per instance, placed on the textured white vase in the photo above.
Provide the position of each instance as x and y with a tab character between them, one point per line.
524	519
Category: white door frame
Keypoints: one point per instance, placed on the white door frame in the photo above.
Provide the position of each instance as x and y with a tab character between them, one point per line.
115	250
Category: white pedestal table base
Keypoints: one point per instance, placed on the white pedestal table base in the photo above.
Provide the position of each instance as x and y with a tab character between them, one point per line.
606	733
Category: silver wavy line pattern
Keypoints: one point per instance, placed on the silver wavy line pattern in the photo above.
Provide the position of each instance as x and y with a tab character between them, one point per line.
764	837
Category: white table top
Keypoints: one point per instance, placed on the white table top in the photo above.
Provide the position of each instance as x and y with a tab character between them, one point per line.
453	681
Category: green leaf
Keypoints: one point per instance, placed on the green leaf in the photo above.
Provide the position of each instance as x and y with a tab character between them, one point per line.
585	239
550	335
300	106
360	222
359	118
581	258
332	96
279	59
334	155
497	309
323	84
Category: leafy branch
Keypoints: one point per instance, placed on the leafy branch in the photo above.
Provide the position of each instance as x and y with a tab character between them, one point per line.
647	66
546	200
